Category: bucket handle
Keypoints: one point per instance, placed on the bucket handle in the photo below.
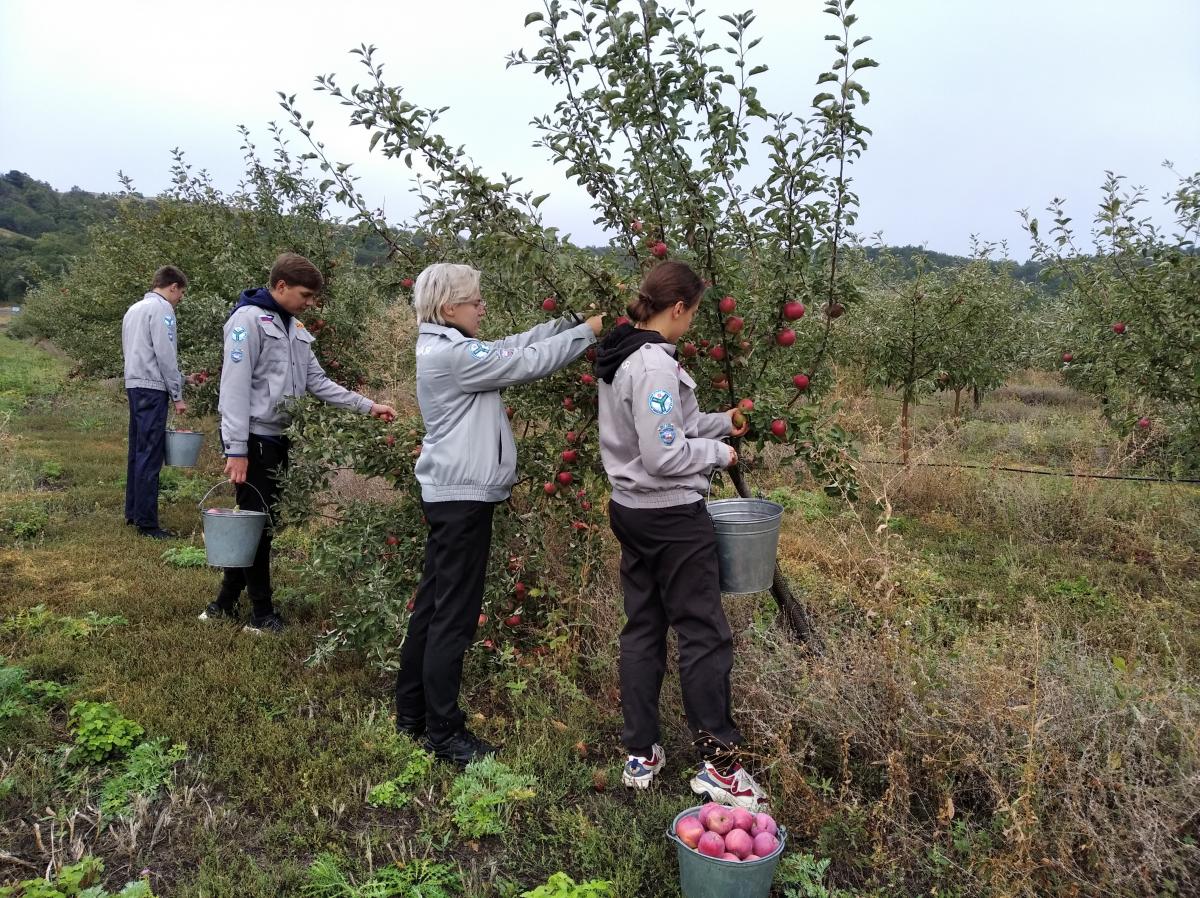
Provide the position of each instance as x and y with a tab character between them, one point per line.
200	505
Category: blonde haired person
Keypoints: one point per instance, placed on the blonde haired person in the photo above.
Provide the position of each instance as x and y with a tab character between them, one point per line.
467	465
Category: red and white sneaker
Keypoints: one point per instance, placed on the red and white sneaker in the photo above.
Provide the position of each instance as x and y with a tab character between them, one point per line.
738	788
639	772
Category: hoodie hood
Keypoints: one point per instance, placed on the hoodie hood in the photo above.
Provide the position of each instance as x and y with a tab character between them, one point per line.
261	297
621	342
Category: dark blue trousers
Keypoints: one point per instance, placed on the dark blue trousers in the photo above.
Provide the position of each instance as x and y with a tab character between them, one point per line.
147	448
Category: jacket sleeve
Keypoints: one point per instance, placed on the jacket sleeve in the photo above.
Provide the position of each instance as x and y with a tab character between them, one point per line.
665	448
318	383
479	367
237	376
539	332
162	339
714	425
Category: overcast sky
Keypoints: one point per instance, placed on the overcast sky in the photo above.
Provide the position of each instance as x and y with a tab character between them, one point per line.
979	107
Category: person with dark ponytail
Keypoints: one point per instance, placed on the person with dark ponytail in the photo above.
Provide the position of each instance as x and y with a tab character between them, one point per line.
659	450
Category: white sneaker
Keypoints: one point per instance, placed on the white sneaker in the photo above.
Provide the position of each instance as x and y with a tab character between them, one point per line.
738	788
639	772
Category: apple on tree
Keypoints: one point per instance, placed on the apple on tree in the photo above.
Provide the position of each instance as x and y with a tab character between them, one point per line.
727	305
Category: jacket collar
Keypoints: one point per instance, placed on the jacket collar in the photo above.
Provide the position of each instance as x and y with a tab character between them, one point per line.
441	330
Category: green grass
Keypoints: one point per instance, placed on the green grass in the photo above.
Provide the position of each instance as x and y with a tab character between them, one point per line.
279	765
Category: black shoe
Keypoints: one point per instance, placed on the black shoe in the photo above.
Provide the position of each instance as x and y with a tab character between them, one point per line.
460	748
218	612
413	727
268	623
156	533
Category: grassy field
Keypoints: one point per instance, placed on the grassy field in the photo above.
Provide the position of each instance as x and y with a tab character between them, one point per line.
1006	704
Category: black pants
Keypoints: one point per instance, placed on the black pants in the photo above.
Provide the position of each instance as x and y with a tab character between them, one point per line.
445	615
669	578
147	448
267	463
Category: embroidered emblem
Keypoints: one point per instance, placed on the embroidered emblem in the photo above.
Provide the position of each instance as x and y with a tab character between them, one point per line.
667	434
299	324
266	317
507	353
169	320
238	334
478	350
237	355
661	402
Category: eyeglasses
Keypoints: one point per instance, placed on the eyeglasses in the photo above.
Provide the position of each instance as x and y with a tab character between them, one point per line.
480	304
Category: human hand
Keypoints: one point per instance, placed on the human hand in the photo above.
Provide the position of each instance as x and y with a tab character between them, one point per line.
733	457
383	412
192	379
235	469
180	407
740	425
596	323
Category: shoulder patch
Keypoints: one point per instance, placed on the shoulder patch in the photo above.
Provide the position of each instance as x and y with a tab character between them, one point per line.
299	324
661	402
478	350
667	434
238	334
169	320
236	355
266	317
507	353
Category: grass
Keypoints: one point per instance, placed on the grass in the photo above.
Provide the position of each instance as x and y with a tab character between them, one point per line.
1003	645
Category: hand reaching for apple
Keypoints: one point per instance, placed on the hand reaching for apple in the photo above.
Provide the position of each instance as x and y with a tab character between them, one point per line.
384	412
740	425
596	323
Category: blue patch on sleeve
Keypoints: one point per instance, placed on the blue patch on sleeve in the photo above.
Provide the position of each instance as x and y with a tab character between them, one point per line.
478	350
237	355
238	334
169	320
661	403
667	434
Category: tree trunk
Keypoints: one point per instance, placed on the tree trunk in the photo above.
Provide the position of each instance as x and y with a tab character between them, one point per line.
905	441
976	397
957	401
792	610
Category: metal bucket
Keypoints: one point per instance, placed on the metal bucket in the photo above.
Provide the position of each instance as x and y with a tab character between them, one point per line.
231	535
183	448
747	542
701	876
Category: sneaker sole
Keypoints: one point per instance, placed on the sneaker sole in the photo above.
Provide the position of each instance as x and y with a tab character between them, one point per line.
710	792
636	782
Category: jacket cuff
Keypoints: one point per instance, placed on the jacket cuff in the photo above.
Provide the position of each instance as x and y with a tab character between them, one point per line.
237	450
364	405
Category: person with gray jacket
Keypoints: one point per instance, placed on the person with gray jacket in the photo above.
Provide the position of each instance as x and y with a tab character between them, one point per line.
148	344
659	451
467	464
268	361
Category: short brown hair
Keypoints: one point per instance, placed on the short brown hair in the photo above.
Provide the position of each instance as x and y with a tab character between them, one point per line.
664	285
168	275
293	269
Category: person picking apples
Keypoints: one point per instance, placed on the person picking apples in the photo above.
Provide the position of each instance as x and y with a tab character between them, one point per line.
269	360
467	465
658	450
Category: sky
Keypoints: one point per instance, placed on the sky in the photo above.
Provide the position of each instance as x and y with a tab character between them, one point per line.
979	107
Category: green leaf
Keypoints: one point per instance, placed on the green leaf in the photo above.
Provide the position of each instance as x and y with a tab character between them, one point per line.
374	140
533	17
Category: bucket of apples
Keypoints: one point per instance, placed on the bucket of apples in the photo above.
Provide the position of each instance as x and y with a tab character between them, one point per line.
726	852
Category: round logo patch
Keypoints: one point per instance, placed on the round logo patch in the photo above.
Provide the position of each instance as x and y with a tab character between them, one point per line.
660	402
238	334
667	434
478	350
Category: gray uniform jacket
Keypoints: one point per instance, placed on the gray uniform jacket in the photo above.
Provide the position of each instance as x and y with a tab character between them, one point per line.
266	364
657	447
468	453
148	344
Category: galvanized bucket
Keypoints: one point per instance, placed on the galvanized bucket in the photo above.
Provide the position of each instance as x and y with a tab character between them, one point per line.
747	542
231	535
183	448
701	876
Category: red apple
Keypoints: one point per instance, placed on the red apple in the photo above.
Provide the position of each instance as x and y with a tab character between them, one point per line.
483	619
1143	423
801	381
579	525
704	343
720	821
637	226
711	845
689	350
569	403
746	405
734	324
689	830
727	305
742	819
834	310
779	428
572	436
705	810
585	505
793	310
786	337
739	842
565	478
549	488
621	319
590	355
390	440
513	620
730	856
717	353
587	380
569	456
489	645
763	823
765	844
392	540
406	283
508	411
739	420
520	589
1119	327
659	249
549	304
1067	357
